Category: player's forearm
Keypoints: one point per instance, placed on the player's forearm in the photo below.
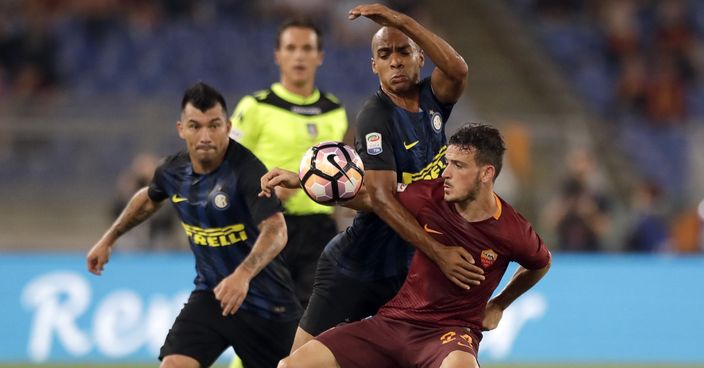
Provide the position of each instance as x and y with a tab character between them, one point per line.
523	279
270	242
389	209
360	202
444	56
138	209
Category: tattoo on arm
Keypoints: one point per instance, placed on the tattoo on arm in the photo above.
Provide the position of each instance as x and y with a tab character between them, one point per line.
253	262
271	241
139	208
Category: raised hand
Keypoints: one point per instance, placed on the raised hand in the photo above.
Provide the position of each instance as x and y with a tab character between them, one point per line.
378	13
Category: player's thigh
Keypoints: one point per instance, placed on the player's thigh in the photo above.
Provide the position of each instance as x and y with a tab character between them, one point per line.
179	361
371	342
338	298
300	339
313	354
459	359
260	342
195	332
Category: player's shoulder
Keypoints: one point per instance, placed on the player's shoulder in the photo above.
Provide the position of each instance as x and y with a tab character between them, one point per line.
330	98
238	155
174	164
260	95
176	160
510	215
328	102
376	105
420	193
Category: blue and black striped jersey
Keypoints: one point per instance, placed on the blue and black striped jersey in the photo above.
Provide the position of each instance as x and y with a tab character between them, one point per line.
220	213
412	144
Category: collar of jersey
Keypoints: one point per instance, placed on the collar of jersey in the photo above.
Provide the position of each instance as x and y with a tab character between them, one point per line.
293	98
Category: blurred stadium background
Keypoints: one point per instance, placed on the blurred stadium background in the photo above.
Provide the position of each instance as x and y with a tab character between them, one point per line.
601	103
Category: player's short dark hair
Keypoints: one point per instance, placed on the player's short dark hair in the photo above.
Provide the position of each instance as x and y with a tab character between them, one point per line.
299	22
487	142
203	97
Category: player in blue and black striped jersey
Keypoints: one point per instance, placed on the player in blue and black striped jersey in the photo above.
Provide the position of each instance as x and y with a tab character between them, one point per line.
244	294
400	138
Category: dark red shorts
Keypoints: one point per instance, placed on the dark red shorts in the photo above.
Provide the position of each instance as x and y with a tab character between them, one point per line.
382	342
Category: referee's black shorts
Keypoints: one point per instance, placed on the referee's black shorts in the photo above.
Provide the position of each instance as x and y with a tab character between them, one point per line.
338	298
307	237
202	333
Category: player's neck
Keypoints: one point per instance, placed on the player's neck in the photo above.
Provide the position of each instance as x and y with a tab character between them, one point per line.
479	209
206	167
305	89
408	100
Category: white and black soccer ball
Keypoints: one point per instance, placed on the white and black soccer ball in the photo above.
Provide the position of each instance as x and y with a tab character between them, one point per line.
331	172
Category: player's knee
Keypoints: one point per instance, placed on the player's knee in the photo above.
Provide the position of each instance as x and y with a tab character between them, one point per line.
179	361
459	359
285	363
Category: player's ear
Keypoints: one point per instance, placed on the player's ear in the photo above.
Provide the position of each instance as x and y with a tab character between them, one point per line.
488	174
374	67
421	57
321	57
276	57
179	128
228	126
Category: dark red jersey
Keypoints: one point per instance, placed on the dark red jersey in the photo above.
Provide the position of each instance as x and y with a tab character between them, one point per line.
427	297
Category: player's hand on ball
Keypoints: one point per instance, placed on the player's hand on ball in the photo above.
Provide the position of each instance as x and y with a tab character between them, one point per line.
278	177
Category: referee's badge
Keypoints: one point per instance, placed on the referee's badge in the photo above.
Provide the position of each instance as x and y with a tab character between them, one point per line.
221	201
312	130
373	141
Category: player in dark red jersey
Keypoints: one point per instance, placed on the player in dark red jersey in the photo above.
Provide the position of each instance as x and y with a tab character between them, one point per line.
431	322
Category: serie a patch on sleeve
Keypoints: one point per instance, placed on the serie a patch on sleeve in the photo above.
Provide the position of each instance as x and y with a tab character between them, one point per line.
373	143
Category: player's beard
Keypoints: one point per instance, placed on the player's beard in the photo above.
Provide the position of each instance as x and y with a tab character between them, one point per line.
473	191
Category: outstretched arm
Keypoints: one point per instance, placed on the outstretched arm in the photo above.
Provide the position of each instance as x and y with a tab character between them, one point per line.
455	262
282	178
138	209
449	77
522	281
232	290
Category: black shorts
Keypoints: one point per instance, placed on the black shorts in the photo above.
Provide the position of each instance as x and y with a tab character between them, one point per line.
338	298
307	237
202	333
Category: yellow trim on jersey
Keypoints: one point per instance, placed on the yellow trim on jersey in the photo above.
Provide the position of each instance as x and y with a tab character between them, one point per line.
499	207
430	172
216	236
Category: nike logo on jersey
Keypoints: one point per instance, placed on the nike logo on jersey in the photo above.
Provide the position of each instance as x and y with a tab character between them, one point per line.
176	199
430	231
410	145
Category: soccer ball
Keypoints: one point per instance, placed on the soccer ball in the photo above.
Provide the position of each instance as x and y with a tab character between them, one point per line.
331	172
